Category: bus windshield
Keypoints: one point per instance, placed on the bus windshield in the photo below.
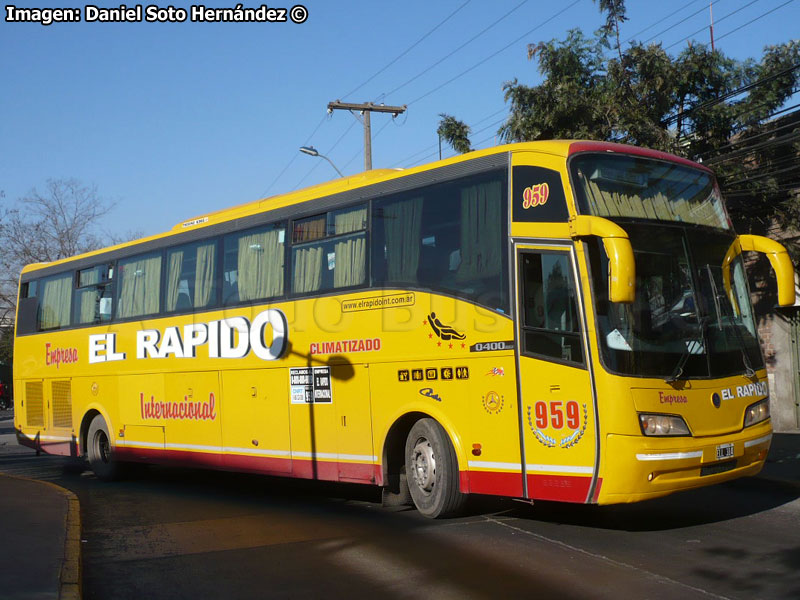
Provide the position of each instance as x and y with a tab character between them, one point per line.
616	185
685	321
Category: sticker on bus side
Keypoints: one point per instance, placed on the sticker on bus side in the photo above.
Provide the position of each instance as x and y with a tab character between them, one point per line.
310	385
492	346
378	302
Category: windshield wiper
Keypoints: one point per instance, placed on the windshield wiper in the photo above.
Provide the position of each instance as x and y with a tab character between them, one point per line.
702	325
749	372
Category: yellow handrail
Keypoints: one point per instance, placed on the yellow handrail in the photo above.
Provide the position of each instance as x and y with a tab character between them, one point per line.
778	258
621	264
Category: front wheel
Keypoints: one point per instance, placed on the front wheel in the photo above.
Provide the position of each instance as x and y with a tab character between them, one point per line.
432	470
99	451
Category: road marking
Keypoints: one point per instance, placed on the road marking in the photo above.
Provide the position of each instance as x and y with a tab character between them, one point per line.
602	557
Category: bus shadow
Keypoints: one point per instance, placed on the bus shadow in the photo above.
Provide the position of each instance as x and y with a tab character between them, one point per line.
703	506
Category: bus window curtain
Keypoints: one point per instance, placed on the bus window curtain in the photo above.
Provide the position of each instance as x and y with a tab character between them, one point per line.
350	221
174	268
481	246
307	275
655	205
204	275
351	260
55	302
87	298
139	287
309	229
402	222
260	265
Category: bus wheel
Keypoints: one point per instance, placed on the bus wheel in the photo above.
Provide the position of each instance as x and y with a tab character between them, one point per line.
98	449
432	470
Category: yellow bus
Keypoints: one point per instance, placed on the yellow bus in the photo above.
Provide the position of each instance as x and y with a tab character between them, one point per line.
558	320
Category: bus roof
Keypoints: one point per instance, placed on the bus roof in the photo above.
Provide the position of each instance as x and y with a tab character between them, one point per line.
562	148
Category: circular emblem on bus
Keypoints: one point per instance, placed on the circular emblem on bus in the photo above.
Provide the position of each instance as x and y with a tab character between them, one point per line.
493	402
716	400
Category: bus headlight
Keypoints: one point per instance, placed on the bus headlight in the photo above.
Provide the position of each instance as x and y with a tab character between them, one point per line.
757	412
658	425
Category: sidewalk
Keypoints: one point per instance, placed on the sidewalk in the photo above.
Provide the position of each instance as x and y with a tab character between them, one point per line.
40	530
783	461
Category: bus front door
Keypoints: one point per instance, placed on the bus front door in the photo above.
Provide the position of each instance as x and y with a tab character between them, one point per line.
557	408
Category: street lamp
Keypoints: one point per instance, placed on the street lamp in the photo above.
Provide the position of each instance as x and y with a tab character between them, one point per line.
311	151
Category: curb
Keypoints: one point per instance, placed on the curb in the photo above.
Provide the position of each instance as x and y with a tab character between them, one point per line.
70	578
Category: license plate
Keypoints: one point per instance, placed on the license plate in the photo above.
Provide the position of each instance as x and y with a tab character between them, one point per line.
724	451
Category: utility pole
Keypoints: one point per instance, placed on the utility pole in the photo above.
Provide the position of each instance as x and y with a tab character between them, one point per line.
711	27
365	109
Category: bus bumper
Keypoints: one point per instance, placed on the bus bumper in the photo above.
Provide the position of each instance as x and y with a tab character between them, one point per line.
640	468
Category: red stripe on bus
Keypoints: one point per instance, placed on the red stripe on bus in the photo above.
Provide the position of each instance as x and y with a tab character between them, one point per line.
285	467
562	488
492	482
576	147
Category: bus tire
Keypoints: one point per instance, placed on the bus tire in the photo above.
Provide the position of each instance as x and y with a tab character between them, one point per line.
99	451
432	470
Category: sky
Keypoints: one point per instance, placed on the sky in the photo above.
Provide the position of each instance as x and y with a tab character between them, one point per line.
174	120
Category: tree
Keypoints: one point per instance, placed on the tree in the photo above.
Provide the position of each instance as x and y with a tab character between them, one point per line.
61	221
699	104
455	133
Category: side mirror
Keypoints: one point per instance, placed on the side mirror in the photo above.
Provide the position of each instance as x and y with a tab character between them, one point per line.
778	258
621	265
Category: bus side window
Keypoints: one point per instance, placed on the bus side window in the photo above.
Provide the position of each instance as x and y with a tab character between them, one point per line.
139	285
28	308
54	302
252	265
550	325
329	251
191	276
92	300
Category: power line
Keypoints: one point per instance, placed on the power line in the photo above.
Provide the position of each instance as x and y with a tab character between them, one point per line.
294	157
503	49
675	25
474	146
730	14
754	20
375	137
432	146
731	94
769	168
406	51
748	140
653	24
336	143
444	58
779	141
747	124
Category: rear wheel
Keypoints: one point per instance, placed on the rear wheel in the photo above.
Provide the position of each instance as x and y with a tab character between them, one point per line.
99	451
432	470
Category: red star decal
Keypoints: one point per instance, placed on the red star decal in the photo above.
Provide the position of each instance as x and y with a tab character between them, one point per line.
451	345
424	322
463	345
430	335
438	343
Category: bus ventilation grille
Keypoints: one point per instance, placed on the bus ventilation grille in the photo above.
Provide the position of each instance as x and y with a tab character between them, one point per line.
34	404
62	404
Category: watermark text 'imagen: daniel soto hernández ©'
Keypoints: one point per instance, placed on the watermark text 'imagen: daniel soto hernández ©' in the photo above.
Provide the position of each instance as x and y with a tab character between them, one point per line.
154	13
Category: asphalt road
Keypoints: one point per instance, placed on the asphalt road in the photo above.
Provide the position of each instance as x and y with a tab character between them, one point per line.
178	533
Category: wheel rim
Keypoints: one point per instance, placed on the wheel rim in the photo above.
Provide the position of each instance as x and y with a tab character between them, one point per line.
424	463
102	447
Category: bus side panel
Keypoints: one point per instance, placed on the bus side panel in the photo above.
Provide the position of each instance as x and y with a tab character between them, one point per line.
255	420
